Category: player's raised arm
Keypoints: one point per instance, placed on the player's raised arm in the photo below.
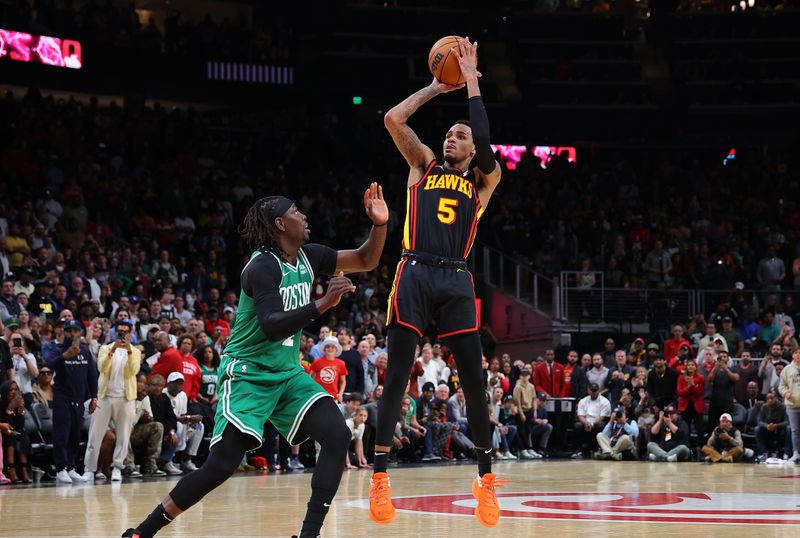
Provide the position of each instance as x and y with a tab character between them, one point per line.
488	170
416	154
366	257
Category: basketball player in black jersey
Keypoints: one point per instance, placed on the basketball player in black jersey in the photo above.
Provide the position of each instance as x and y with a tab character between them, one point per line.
445	201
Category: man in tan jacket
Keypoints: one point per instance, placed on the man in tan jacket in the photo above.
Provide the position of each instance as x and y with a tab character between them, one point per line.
525	395
118	364
789	389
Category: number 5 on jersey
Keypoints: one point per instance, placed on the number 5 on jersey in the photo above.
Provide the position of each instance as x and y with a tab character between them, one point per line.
446	213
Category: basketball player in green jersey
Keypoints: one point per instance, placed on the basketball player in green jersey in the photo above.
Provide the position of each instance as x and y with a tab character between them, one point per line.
262	378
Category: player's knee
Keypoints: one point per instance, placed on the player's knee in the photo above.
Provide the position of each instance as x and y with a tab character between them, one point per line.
338	437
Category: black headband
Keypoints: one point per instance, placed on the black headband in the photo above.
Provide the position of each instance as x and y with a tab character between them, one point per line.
281	206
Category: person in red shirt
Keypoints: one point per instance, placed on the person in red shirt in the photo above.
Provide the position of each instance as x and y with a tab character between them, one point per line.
192	375
329	370
691	386
548	377
566	386
168	361
213	321
672	345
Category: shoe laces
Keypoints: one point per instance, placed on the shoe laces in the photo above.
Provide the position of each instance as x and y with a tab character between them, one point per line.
380	490
489	484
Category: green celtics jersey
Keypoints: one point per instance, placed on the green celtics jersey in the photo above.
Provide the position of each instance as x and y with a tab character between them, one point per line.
281	286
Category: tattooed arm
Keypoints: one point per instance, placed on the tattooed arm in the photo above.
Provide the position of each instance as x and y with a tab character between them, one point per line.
416	154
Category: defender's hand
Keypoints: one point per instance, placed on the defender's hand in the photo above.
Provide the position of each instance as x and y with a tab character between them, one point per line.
467	54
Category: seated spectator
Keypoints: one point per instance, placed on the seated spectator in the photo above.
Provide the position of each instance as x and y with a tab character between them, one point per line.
5	429
356	425
146	435
352	403
593	411
540	435
428	416
670	436
407	433
25	370
457	410
43	388
771	430
16	445
162	412
505	430
190	427
725	442
618	437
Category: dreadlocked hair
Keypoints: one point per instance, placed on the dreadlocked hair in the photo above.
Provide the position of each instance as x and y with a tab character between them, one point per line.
257	229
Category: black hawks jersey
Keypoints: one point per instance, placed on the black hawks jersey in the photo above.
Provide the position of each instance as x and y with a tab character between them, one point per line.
442	212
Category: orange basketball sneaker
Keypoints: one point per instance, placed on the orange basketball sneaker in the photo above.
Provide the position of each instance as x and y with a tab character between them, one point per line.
483	489
380	499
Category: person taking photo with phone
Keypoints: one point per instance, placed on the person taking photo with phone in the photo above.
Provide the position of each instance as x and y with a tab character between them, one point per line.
25	370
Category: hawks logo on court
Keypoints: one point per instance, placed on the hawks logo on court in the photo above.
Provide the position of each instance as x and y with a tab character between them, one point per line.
658	507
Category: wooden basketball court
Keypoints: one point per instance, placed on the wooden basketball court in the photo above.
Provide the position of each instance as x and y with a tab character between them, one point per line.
551	498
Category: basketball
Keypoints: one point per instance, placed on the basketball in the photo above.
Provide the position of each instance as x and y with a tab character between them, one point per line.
443	63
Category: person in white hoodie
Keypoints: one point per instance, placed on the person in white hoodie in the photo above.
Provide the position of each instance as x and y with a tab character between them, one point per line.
790	390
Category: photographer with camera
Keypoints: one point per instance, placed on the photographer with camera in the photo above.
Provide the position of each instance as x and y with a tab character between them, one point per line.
75	378
25	370
618	437
118	364
670	437
725	443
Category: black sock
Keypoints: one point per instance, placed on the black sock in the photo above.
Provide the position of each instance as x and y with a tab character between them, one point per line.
381	462
157	520
318	508
484	460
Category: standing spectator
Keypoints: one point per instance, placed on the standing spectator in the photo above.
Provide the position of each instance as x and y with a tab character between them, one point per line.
75	377
598	373
618	378
771	270
578	380
609	353
725	442
618	436
593	411
569	369
662	383
146	435
207	398
732	337
670	437
674	344
768	333
766	369
192	375
790	390
432	370
722	381
747	372
691	402
118	364
25	370
316	351
658	265
548	377
352	360
329	370
525	396
771	429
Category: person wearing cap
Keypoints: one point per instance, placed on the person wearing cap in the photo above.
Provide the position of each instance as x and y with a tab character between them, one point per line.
329	370
118	364
789	389
670	437
75	377
540	435
732	337
674	344
593	412
679	361
190	427
525	396
662	382
725	442
618	437
40	302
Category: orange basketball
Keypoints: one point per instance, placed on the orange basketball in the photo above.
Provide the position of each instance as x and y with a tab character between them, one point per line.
443	63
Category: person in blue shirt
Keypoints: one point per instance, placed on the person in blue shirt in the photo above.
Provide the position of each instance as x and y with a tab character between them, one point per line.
618	437
75	380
